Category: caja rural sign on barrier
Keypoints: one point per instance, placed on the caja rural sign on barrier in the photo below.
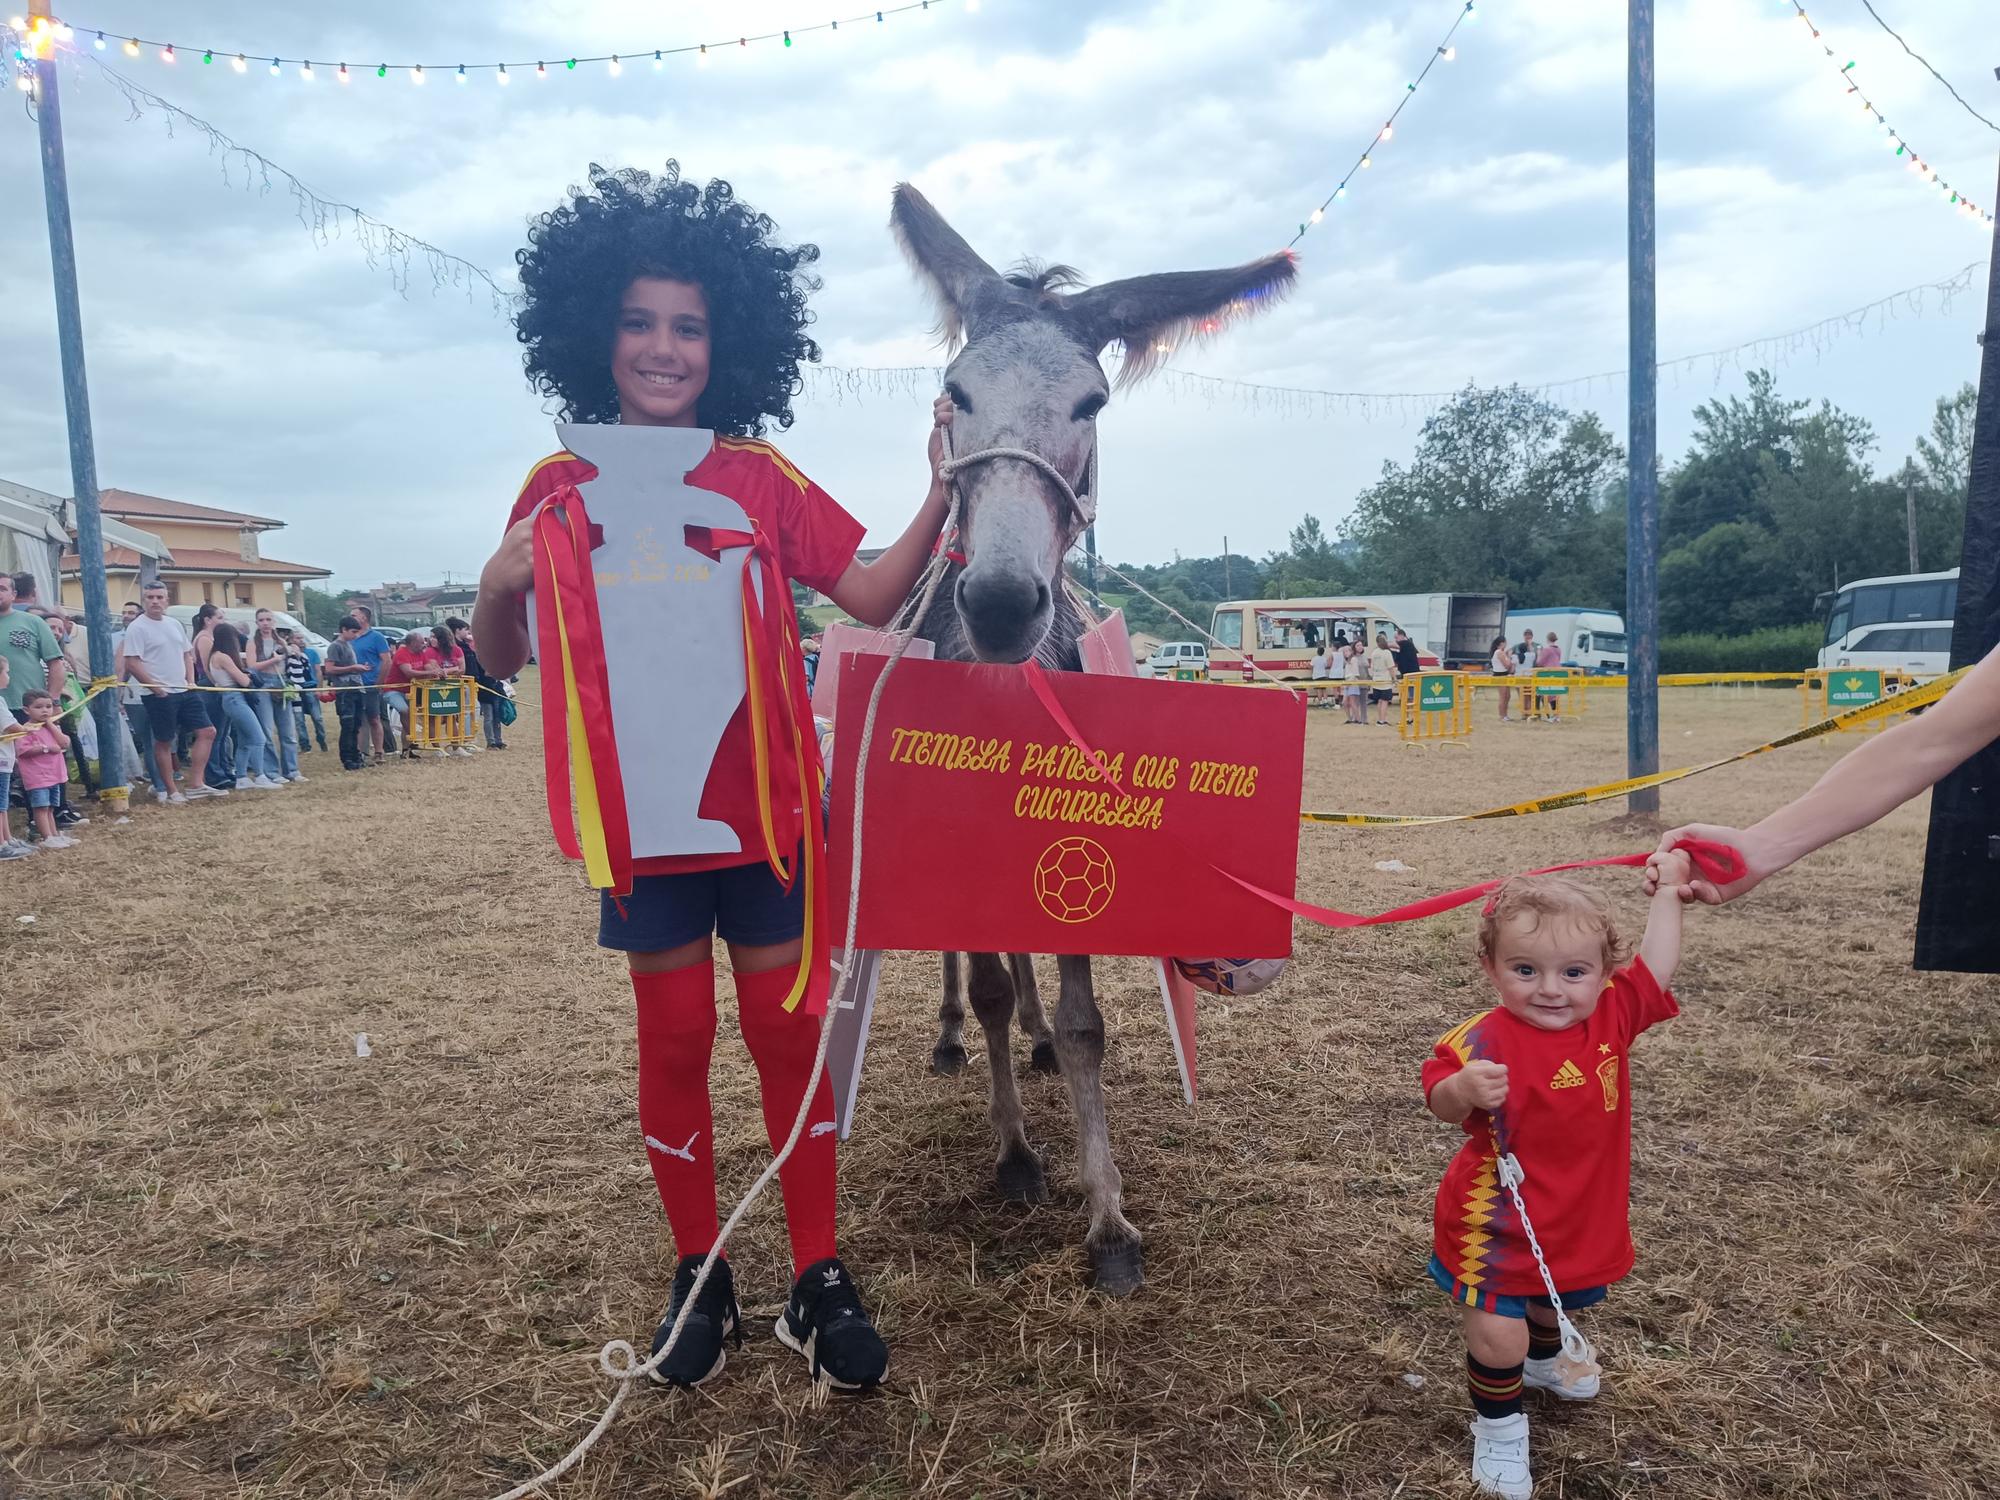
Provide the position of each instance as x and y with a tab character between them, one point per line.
988	829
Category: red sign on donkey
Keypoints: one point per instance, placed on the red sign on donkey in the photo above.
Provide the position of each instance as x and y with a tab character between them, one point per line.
989	830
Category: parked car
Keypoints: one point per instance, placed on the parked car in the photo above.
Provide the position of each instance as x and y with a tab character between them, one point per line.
1176	657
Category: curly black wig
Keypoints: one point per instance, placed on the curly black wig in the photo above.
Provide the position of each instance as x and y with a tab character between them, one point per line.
584	253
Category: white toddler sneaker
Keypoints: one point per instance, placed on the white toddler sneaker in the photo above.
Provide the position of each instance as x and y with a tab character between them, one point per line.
1560	1377
1500	1456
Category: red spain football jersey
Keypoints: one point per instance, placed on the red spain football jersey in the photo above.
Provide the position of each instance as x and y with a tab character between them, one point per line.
1568	1122
816	540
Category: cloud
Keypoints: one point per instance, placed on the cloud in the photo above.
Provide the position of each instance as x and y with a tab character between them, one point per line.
237	359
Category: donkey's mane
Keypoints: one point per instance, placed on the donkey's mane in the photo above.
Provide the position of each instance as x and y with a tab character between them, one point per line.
1044	280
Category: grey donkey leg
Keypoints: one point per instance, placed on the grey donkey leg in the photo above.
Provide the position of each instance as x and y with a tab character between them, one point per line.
948	1056
1116	1264
1034	1020
1019	1171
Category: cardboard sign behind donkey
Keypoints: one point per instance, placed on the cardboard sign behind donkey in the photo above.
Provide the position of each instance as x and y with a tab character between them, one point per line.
673	625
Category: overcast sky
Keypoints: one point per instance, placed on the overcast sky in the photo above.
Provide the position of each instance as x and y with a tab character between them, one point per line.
235	361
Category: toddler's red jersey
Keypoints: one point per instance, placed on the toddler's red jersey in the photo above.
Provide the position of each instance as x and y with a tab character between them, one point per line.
1568	1122
816	540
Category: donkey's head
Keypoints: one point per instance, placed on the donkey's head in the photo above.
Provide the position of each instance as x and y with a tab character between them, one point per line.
1028	377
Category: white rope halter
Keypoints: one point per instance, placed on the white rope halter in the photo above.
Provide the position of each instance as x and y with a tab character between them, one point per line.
1083	508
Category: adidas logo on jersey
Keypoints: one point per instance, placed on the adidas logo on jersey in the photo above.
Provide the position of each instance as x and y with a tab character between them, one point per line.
1568	1076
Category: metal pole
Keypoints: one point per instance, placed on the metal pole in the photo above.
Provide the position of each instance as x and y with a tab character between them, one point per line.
76	403
1642	525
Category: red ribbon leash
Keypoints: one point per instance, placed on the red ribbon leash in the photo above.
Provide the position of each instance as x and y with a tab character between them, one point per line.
1716	862
568	629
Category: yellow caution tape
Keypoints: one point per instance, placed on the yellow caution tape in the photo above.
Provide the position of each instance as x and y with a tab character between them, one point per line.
1882	708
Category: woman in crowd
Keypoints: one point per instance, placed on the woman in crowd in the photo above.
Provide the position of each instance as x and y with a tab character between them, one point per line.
227	669
266	661
1502	665
201	632
451	663
461	634
1356	691
1382	671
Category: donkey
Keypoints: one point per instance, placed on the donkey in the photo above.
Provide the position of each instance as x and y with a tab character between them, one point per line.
1026	375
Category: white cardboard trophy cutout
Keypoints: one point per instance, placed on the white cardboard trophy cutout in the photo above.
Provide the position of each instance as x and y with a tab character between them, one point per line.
673	625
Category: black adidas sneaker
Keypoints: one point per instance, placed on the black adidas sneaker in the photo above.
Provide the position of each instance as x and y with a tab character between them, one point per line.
698	1351
825	1324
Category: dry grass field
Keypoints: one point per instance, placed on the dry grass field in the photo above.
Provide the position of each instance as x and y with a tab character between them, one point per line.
239	1260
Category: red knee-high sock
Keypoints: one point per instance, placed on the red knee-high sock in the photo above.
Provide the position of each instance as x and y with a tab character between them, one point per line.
783	1044
676	1036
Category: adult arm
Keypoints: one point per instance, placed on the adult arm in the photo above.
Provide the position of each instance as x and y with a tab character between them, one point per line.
1862	787
873	592
135	668
57	665
500	614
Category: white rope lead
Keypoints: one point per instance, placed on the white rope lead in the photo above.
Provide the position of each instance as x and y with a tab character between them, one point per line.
618	1358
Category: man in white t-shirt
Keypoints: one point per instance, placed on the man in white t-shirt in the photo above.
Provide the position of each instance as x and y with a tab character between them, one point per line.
157	654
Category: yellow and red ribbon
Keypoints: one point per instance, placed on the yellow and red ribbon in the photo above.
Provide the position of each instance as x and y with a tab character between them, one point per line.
781	724
577	736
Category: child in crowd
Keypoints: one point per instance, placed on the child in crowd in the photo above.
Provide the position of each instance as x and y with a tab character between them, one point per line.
40	764
1543	1077
653	301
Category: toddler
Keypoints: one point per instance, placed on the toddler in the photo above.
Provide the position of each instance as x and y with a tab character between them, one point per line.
1543	1077
40	764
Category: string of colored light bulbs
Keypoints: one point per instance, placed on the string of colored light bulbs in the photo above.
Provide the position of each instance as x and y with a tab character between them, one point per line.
1904	150
1443	52
242	59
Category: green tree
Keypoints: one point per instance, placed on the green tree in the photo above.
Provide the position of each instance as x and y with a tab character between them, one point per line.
1940	485
1501	488
1729	580
323	611
1733	441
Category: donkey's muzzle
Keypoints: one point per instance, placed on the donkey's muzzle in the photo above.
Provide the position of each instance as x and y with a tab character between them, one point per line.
1005	614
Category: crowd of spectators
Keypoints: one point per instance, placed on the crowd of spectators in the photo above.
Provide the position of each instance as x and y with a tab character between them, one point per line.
209	708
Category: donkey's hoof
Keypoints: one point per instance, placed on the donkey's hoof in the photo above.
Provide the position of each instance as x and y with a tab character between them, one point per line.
1118	1270
1020	1179
947	1058
1043	1058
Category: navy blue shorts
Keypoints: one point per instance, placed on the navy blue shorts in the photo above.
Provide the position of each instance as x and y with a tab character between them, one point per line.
743	904
1510	1306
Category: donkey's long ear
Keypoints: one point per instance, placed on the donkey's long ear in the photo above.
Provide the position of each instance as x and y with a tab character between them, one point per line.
951	268
1151	315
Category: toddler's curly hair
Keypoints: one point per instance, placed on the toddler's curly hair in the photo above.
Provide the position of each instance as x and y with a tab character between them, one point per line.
583	254
1541	898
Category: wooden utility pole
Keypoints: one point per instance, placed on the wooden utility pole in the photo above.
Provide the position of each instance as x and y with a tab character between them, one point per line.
1642	522
76	397
1955	927
1910	511
1228	586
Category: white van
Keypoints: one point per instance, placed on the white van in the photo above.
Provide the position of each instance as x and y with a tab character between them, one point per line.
244	618
1593	639
1176	657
